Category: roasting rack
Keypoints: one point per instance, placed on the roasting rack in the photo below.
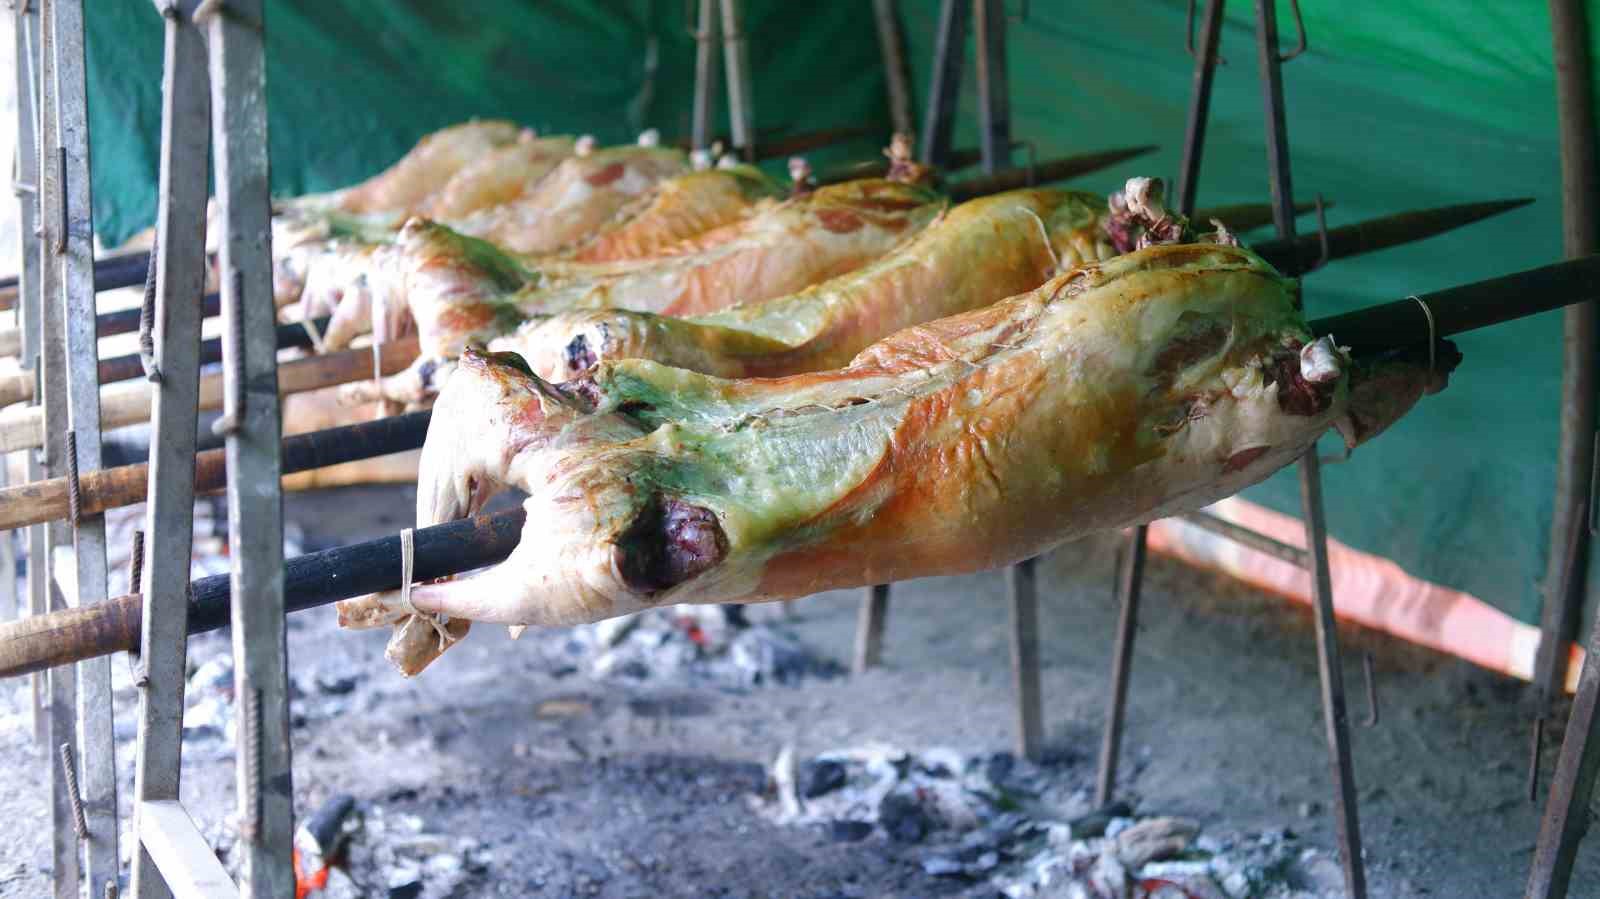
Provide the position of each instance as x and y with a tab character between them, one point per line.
212	89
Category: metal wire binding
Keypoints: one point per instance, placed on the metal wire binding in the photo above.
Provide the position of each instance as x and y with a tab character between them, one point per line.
1534	758
1188	39
61	193
69	768
408	552
136	563
1300	25
147	319
252	768
233	416
1433	334
1326	252
1372	692
74	489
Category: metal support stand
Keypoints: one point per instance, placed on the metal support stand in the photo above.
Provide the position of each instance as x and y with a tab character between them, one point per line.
895	71
938	125
1022	596
53	377
95	786
1329	668
1565	580
994	95
705	73
736	56
736	59
27	191
1567	817
228	95
870	625
1130	583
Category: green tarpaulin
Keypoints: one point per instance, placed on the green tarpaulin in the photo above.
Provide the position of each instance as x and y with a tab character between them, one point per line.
1395	106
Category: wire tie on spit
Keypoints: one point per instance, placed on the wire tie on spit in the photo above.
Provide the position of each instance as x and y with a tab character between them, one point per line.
408	553
1433	331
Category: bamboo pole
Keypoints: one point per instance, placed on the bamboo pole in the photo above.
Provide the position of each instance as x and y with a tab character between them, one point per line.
128	402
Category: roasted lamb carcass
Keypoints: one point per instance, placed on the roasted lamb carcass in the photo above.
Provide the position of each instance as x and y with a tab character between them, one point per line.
457	291
584	197
981	252
1147	385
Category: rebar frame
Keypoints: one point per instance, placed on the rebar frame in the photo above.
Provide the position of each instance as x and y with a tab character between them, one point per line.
1566	817
1129	582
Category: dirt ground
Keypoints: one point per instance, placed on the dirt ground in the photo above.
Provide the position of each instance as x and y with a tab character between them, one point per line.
639	788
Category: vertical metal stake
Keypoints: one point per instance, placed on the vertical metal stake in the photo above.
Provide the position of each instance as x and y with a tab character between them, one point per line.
994	104
705	74
736	57
169	515
897	75
1022	595
255	504
1130	583
1194	140
939	124
870	624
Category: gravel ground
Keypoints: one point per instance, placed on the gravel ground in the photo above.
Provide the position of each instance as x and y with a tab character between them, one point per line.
539	780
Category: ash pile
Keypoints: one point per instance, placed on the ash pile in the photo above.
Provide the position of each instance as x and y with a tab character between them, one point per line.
1001	827
714	645
358	850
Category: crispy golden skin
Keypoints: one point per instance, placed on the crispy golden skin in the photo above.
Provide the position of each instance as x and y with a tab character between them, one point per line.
979	253
1150	384
458	291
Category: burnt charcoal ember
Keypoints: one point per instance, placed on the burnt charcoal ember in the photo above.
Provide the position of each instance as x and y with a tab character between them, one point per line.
903	818
409	890
843	831
1094	823
821	776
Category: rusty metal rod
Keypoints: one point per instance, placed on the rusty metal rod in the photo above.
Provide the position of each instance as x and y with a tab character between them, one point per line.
125	485
19	388
1566	815
110	273
877	168
318	579
1043	173
312	580
1194	139
122	321
1244	536
1298	255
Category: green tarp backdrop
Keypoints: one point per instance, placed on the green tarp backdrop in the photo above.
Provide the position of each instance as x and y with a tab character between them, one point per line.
1395	106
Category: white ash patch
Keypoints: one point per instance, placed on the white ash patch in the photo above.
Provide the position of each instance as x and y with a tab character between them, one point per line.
985	820
687	643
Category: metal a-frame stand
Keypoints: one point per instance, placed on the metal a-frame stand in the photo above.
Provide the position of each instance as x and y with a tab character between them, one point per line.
67	559
1566	817
1335	717
736	55
213	91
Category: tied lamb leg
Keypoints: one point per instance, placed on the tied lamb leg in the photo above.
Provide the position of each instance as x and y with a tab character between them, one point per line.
1150	384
